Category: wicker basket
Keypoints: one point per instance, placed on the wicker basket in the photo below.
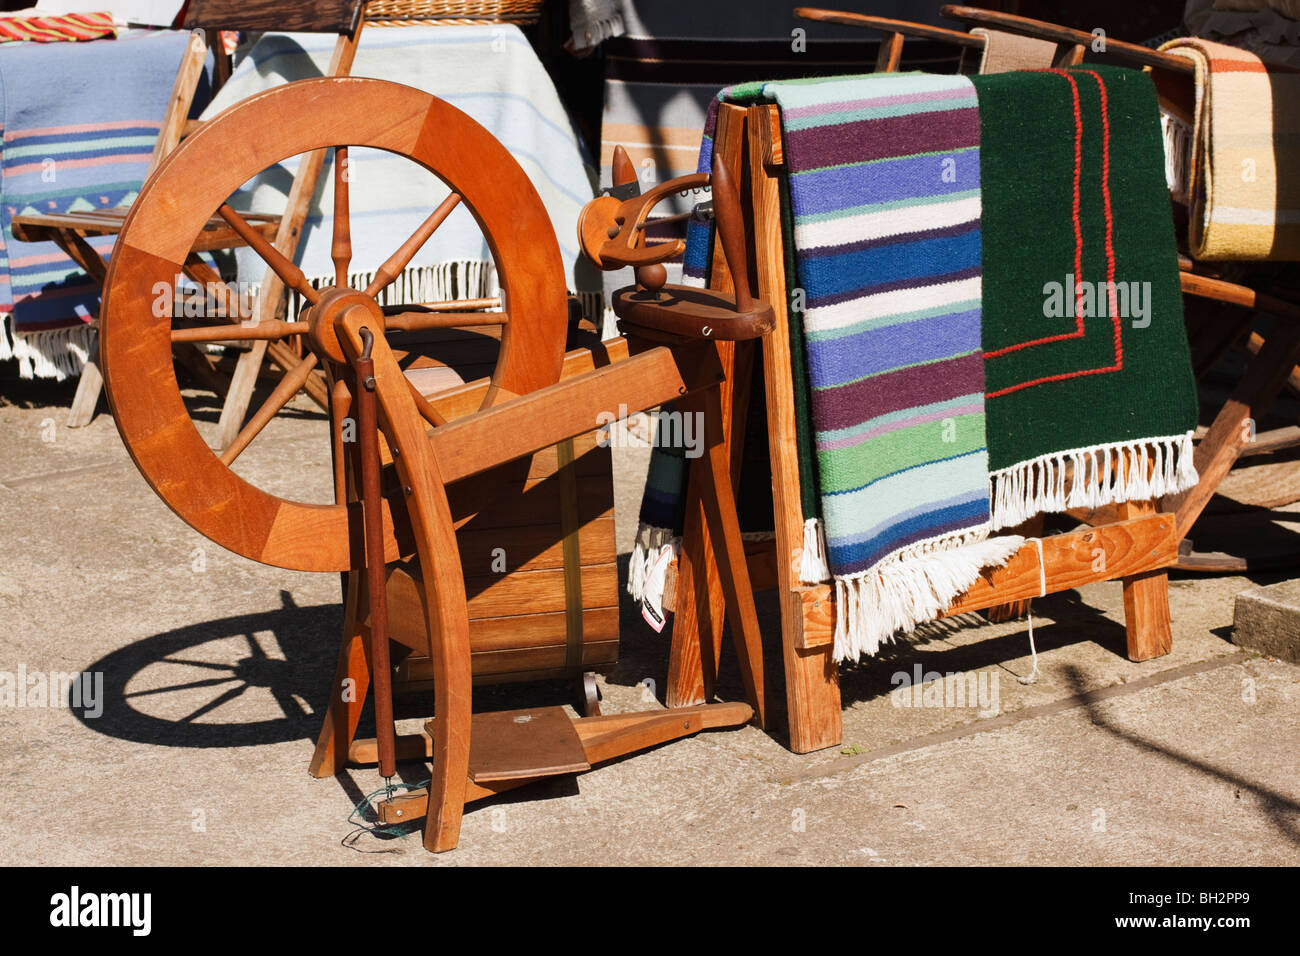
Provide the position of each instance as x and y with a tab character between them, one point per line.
391	12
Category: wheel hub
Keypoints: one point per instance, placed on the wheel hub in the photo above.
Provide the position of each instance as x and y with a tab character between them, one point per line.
322	319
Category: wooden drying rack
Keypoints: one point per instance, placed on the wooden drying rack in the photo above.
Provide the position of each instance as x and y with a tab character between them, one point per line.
1138	547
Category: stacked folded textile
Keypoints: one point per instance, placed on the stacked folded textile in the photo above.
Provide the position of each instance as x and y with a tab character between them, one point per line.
1241	174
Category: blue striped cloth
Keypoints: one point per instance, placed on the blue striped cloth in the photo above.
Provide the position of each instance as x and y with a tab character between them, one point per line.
80	122
490	72
884	190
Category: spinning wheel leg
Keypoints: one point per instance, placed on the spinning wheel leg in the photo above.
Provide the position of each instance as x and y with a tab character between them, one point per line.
711	477
697	615
443	582
347	693
697	625
588	703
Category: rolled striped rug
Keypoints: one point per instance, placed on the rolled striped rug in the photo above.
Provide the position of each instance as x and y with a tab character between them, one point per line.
1242	173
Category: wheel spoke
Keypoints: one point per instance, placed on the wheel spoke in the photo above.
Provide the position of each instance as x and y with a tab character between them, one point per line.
210	682
420	321
424	406
210	280
341	251
289	385
273	257
273	329
189	663
390	270
446	305
214	704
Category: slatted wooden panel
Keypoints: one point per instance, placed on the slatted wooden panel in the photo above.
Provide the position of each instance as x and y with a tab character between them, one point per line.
517	617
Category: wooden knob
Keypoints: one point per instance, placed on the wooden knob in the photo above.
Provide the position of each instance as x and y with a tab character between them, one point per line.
622	171
652	277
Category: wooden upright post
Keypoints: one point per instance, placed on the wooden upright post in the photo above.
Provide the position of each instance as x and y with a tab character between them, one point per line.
812	683
700	607
1146	595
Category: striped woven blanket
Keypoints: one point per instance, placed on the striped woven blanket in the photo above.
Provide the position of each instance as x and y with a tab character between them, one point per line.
52	29
67	147
1243	168
1085	352
491	73
935	366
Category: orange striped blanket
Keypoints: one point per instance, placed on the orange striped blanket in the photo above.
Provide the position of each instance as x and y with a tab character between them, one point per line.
1243	168
65	26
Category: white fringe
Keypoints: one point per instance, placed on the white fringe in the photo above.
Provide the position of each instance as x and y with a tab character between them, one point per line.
650	542
52	353
913	585
6	347
1178	155
454	279
609	324
1038	485
813	567
593	24
59	353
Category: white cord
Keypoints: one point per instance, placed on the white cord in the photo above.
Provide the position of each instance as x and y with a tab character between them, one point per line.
1042	591
1042	569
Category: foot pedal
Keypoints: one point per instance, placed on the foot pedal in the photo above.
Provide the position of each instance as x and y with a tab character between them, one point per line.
513	744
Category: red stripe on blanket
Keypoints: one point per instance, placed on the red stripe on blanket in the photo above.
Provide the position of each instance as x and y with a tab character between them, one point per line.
1078	248
1237	66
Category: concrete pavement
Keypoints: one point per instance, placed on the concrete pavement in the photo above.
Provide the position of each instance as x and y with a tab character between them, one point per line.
214	670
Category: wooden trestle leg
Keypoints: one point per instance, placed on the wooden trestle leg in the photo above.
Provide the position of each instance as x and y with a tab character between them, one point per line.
348	691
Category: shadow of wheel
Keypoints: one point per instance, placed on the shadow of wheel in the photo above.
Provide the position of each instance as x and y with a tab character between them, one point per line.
212	684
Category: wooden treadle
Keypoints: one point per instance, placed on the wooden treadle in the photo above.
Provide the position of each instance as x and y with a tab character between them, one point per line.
511	744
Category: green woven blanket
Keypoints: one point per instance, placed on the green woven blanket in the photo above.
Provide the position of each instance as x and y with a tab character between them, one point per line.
1084	346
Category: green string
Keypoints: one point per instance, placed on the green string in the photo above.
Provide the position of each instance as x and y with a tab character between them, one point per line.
364	817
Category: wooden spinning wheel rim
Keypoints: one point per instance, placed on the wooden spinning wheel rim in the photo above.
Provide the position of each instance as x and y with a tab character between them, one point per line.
197	178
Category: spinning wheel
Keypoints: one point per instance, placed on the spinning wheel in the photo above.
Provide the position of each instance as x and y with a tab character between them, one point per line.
196	180
392	521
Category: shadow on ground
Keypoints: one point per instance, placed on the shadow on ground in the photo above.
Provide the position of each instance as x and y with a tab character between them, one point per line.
1281	810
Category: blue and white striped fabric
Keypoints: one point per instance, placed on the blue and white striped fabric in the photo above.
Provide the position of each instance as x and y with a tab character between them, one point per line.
489	72
884	186
884	189
79	125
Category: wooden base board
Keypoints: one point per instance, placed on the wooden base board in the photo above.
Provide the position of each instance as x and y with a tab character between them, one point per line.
1070	560
601	738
